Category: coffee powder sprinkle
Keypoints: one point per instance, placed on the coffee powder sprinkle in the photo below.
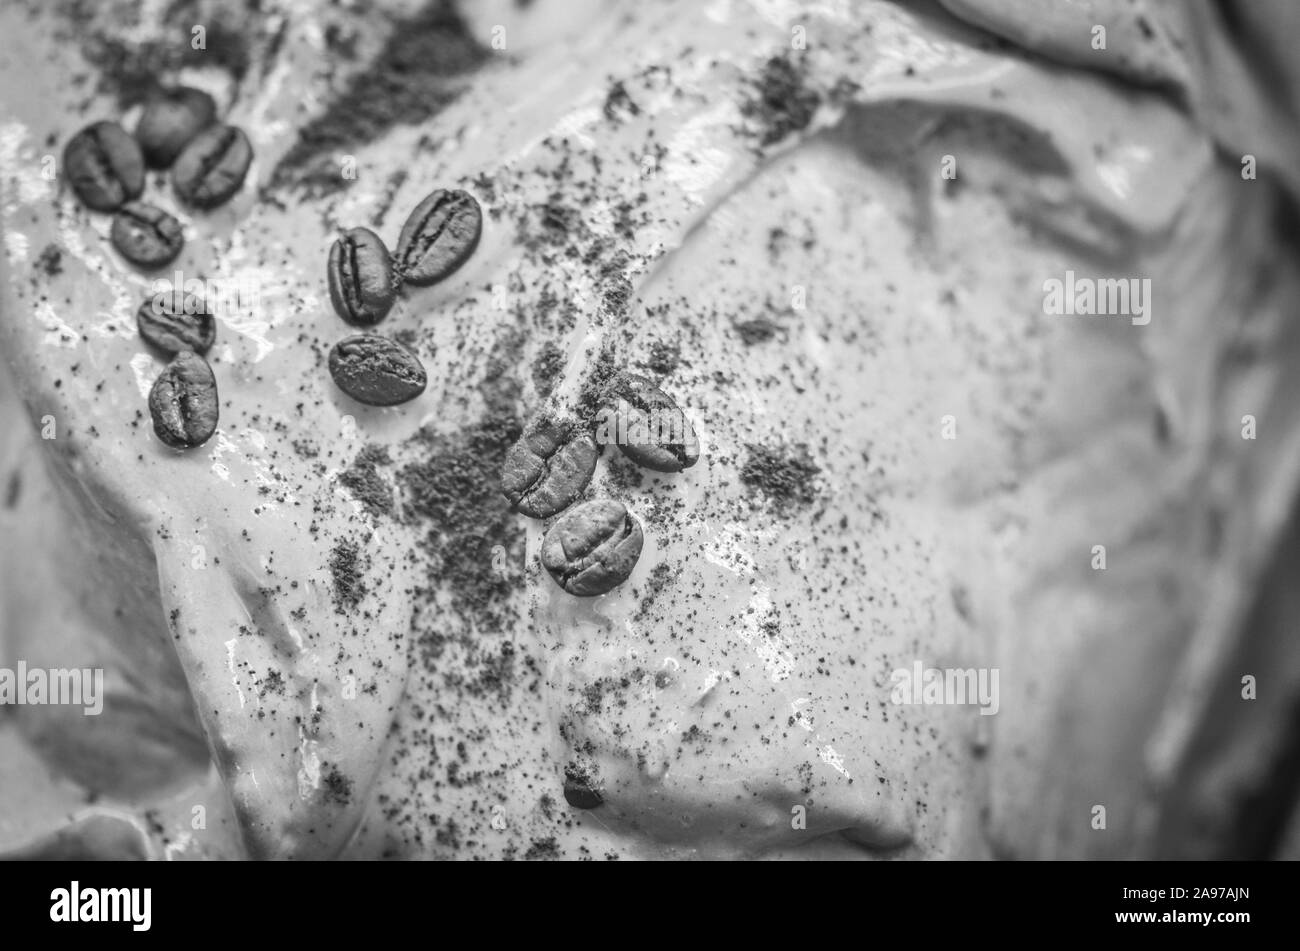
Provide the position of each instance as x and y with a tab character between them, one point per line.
346	568
618	104
420	70
663	357
785	475
758	330
130	70
474	540
363	480
50	261
337	787
543	849
782	102
547	367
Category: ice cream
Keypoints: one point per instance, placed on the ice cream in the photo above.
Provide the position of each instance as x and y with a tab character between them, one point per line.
827	231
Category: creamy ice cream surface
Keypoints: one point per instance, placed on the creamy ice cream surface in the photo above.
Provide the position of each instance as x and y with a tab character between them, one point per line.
829	232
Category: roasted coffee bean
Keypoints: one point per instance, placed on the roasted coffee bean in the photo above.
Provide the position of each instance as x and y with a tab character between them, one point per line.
648	425
183	402
104	166
592	548
170	121
579	794
360	276
439	237
146	235
173	323
376	370
212	167
548	467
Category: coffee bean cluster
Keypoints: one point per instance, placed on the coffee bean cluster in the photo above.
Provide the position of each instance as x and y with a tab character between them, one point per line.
183	401
593	547
178	129
209	160
364	282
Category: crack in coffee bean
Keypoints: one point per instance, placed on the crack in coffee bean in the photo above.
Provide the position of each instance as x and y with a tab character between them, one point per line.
104	165
438	237
212	167
548	467
183	402
173	324
361	280
376	370
170	121
592	548
648	425
145	235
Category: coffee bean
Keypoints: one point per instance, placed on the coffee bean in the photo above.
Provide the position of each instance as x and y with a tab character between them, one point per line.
212	167
183	402
174	323
579	794
648	425
548	467
439	237
592	548
376	371
170	121
146	235
104	166
360	276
